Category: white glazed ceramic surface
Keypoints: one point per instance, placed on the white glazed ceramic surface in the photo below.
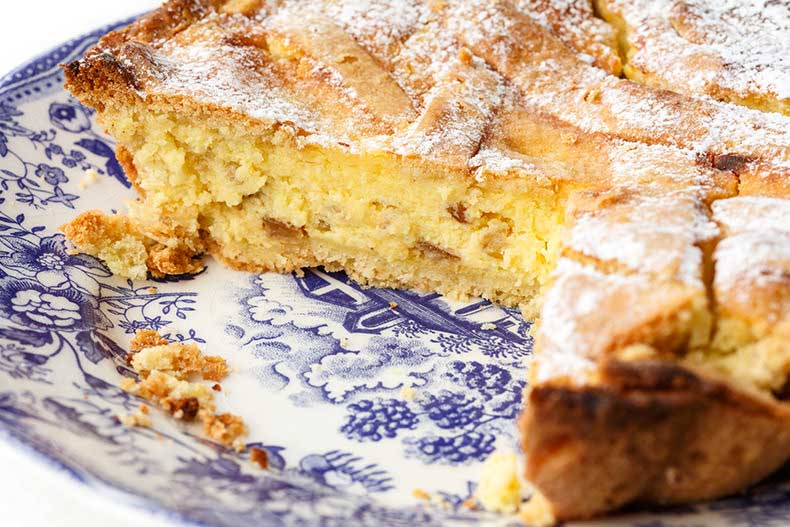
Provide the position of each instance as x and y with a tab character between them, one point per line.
356	403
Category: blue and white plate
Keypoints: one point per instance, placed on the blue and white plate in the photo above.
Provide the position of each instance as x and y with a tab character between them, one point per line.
357	404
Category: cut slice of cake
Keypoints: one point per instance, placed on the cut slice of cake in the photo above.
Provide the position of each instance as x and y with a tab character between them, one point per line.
461	147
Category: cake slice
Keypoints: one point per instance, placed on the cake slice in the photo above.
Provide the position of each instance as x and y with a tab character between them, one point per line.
461	147
629	397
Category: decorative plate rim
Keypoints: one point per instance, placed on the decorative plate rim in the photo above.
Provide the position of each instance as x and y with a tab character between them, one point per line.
132	502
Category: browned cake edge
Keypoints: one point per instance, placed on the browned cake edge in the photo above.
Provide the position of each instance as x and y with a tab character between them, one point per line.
650	432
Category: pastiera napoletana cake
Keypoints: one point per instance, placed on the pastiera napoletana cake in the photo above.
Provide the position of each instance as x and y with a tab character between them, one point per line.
481	148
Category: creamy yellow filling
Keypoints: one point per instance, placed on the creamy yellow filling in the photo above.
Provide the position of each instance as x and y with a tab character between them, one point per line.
259	195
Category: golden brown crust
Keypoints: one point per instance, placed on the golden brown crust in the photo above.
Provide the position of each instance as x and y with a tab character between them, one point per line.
167	261
126	250
707	48
102	71
125	158
648	432
146	338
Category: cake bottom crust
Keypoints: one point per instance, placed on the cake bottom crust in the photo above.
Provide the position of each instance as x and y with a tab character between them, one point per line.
649	432
431	271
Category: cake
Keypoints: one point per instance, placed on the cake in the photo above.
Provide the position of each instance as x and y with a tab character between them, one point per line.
481	148
730	50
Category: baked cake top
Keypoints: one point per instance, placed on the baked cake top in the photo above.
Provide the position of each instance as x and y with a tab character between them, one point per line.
729	49
435	79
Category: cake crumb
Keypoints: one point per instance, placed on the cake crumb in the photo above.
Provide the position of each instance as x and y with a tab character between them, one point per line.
136	420
224	428
537	512
488	326
89	177
186	408
216	387
259	457
470	504
146	338
408	393
125	249
420	494
499	489
465	56
393	305
179	360
165	369
153	290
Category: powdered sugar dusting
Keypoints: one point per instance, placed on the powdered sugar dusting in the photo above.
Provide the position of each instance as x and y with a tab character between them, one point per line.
574	23
587	314
377	24
752	213
749	263
704	47
416	43
458	110
654	235
755	255
212	73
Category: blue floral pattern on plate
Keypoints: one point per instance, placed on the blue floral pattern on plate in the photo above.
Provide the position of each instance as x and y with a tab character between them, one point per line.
357	395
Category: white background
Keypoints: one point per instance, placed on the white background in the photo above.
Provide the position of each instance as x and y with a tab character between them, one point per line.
29	27
32	495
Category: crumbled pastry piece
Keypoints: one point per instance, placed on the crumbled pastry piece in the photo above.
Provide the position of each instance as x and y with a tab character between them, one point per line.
536	512
420	494
259	457
499	488
225	428
136	420
180	360
165	369
117	241
408	393
470	504
146	338
89	177
113	239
